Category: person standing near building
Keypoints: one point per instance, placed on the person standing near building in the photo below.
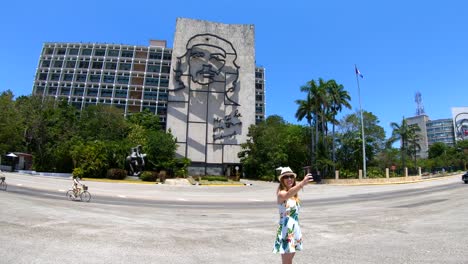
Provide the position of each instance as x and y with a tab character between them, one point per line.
288	235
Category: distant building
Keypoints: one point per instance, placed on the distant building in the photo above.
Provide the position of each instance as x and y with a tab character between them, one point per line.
209	110
432	131
440	130
421	122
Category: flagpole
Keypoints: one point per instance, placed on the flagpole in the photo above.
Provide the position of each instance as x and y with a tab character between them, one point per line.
362	127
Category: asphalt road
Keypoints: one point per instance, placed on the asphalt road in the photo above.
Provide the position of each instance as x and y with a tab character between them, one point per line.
129	223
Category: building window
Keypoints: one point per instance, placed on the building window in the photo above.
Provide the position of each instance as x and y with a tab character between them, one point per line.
80	78
65	91
92	92
94	78
45	63
49	51
121	94
113	53
61	51
68	77
155	55
42	76
153	68
109	78
78	92
100	52
167	56
106	93
58	64
164	83
97	65
86	52
52	91
55	77
127	53
165	69
73	52
151	81
71	64
83	64
125	66
111	65
123	79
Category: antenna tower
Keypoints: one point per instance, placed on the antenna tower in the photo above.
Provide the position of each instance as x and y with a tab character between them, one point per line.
419	104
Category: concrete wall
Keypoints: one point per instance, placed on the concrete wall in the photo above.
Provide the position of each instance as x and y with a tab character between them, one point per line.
210	113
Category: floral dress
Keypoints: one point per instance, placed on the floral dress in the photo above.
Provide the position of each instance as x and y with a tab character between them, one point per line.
288	236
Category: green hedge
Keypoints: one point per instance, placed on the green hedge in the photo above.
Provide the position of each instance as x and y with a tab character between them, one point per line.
116	174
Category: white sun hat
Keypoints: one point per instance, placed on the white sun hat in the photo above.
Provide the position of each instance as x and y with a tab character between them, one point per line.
285	171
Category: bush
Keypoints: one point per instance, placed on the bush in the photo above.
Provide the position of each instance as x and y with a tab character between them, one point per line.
214	178
150	176
116	174
78	173
375	172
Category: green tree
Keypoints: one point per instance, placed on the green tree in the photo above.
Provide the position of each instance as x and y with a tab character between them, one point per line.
11	128
338	98
160	149
402	132
90	158
101	122
145	119
350	140
271	144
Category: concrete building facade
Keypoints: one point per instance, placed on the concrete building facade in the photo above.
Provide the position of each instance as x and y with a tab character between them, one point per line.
432	131
211	101
206	90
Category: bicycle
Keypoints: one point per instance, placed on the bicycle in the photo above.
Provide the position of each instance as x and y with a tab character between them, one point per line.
83	194
3	184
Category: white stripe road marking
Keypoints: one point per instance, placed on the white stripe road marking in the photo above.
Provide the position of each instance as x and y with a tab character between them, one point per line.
122	196
61	190
182	199
255	200
19	184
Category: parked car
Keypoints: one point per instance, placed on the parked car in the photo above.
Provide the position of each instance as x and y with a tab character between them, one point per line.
465	177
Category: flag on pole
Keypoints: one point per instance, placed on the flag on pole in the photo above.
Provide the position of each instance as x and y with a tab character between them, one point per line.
358	72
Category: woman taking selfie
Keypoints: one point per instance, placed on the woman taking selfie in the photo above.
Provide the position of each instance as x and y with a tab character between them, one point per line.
289	236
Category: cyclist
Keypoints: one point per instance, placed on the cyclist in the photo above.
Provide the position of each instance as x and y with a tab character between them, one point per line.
77	185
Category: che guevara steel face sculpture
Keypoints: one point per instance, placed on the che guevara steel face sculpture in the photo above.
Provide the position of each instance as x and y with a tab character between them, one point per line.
209	59
461	126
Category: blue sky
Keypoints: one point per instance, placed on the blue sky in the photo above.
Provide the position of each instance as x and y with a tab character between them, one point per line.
400	47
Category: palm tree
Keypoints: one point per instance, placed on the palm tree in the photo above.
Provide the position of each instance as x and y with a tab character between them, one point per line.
413	143
404	133
313	109
306	109
338	98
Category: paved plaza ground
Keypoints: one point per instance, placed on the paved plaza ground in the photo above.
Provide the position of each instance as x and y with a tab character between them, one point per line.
421	222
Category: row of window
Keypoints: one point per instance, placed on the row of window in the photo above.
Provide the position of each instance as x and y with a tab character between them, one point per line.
98	65
99	52
109	79
104	93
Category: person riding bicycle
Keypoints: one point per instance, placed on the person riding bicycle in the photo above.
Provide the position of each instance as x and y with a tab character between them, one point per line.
77	185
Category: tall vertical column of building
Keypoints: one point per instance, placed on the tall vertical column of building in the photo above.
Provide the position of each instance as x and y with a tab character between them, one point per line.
212	92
